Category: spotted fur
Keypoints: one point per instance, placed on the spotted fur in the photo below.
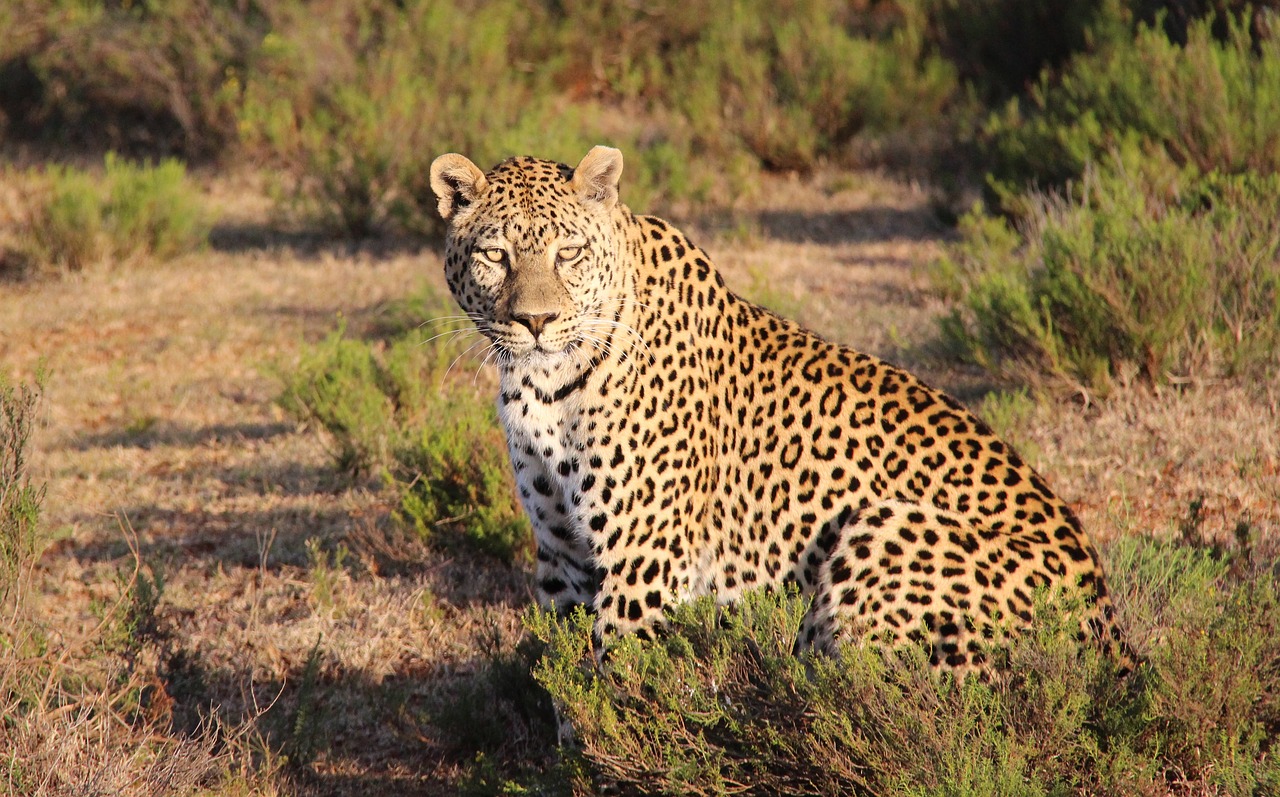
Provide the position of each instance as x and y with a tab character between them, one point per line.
671	439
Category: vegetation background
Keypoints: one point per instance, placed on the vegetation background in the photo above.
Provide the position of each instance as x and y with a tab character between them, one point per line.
257	531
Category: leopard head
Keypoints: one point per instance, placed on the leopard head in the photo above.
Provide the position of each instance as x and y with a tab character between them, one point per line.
533	250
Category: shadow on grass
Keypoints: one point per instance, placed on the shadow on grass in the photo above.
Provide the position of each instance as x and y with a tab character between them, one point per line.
246	237
276	541
167	433
342	731
864	225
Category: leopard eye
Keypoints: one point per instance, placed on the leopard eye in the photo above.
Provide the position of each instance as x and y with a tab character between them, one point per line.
494	255
568	253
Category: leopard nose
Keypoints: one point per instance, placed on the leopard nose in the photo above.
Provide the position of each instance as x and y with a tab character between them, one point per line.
535	322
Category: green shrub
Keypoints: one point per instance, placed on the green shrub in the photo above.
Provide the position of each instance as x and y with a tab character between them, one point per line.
66	231
454	472
152	210
408	408
336	385
1156	279
132	210
698	107
720	704
1212	104
1207	619
515	727
1002	46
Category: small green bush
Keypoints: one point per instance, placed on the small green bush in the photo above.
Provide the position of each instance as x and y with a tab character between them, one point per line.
66	232
1212	104
132	210
1157	279
720	704
336	385
455	473
152	209
408	408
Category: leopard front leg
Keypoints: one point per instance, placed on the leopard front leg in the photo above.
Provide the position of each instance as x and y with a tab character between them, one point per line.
642	573
565	574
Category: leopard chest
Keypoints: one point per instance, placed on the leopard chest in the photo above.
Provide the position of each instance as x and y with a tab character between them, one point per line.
554	444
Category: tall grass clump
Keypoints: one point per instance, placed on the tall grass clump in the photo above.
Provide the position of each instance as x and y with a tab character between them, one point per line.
131	210
1156	280
1212	103
20	500
722	705
409	409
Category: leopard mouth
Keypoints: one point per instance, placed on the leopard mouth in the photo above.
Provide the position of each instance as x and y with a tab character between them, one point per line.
539	352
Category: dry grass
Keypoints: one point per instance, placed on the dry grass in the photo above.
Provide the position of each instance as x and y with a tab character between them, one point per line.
159	417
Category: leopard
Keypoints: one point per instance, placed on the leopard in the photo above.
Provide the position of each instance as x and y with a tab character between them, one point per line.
670	439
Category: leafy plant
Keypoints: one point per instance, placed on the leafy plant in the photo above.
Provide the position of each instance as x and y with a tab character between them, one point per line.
1156	279
408	409
720	703
132	210
142	77
1212	104
454	472
796	85
359	135
336	384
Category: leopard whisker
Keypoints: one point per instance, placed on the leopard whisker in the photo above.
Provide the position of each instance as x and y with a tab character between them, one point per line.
601	344
465	352
452	334
637	341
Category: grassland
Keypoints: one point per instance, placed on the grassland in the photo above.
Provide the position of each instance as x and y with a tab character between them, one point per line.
241	551
318	629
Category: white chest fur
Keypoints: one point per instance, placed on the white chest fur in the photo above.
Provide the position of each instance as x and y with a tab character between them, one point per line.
543	429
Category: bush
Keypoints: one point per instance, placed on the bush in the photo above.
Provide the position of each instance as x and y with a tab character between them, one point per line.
147	78
408	409
1213	105
1002	46
358	133
1127	281
795	84
721	704
336	385
455	473
66	231
780	86
134	210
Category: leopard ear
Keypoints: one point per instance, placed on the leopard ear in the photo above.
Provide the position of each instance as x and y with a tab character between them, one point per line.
596	178
457	182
